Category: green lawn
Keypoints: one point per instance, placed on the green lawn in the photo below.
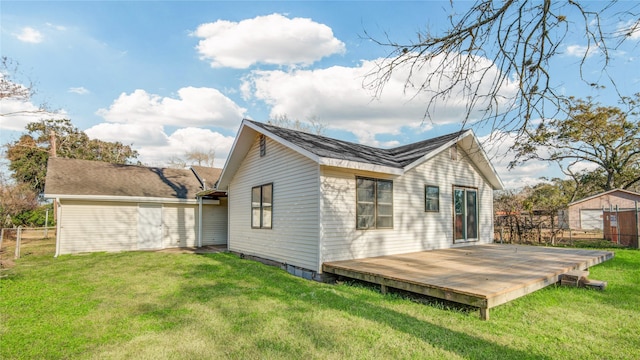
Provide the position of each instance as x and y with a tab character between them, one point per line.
147	305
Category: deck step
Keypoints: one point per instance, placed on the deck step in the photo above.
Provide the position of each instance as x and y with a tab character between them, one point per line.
580	278
574	278
596	284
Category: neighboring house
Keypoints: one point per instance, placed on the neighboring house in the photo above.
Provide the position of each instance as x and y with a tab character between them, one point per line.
304	199
110	207
586	214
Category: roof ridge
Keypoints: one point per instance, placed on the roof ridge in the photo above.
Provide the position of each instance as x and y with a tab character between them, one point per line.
323	146
262	124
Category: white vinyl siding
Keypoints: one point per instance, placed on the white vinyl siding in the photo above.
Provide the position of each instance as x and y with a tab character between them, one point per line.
294	236
90	226
97	226
413	228
180	224
214	224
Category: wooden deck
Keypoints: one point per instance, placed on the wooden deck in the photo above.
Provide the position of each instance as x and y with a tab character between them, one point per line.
483	276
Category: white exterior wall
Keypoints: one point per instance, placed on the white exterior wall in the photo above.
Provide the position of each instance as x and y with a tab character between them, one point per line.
90	226
214	224
414	229
97	226
180	225
294	237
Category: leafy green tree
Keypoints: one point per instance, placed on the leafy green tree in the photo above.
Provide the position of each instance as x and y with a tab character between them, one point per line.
28	156
606	137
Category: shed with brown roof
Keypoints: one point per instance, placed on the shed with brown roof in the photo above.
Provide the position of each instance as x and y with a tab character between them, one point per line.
115	207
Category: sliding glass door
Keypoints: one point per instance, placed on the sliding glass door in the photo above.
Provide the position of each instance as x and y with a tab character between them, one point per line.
465	210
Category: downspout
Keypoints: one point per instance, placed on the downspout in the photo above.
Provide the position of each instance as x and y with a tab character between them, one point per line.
200	221
58	221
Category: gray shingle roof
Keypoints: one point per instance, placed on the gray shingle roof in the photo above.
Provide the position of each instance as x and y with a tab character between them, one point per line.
322	146
84	177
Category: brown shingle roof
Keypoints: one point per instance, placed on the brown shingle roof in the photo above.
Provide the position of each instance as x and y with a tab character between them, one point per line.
207	174
84	177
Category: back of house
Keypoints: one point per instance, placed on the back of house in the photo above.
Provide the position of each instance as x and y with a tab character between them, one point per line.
302	199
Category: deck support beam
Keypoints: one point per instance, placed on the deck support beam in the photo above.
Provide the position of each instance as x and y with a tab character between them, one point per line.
484	313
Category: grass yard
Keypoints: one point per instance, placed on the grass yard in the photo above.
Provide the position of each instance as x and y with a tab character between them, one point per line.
147	305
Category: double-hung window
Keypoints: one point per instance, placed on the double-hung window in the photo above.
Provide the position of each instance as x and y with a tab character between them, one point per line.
262	206
374	203
431	198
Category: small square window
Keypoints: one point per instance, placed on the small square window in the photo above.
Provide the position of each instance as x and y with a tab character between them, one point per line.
431	198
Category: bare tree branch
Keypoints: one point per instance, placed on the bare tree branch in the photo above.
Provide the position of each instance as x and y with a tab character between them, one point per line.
496	56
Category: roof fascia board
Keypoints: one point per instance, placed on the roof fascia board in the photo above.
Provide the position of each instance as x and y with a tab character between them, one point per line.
437	151
355	165
195	172
601	194
230	165
121	198
498	185
284	142
491	176
231	158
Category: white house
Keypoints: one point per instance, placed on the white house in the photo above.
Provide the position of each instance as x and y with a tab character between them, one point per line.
303	199
111	207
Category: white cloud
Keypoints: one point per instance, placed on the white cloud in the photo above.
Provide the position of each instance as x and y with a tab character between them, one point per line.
580	50
498	147
630	29
16	114
139	135
273	39
192	107
336	96
156	147
79	90
30	35
57	27
141	119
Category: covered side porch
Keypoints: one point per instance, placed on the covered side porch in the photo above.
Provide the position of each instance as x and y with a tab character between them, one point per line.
483	276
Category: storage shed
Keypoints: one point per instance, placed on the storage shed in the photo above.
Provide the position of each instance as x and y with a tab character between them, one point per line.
587	213
113	207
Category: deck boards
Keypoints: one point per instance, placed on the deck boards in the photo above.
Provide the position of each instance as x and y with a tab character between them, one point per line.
482	275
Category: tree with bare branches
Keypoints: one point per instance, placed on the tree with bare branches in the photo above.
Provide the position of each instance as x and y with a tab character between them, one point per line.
312	126
496	55
13	93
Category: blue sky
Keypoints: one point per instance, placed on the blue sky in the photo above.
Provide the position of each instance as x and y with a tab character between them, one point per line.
170	77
